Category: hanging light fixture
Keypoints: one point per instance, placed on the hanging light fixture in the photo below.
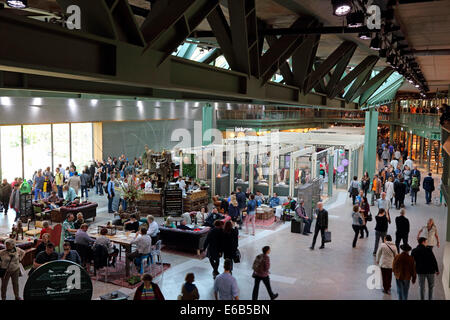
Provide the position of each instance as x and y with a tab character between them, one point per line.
17	4
355	19
341	7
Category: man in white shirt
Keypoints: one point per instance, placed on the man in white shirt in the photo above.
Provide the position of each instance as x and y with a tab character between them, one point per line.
394	163
397	155
143	244
408	163
153	228
148	185
384	203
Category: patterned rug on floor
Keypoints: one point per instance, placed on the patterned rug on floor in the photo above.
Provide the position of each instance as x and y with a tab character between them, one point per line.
269	224
117	275
191	255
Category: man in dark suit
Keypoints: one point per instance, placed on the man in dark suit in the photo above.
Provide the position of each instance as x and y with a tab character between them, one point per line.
321	225
428	186
301	212
402	224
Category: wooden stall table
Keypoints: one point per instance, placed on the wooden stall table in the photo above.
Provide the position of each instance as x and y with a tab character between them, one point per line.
121	238
195	200
150	203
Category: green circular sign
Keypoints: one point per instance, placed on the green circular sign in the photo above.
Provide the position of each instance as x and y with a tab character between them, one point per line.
59	280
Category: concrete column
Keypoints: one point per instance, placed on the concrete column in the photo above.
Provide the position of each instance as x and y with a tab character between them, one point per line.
370	142
291	176
421	150
231	161
250	171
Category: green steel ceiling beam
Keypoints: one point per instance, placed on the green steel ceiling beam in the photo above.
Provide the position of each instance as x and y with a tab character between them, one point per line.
97	65
211	56
391	89
303	60
369	88
362	68
341	52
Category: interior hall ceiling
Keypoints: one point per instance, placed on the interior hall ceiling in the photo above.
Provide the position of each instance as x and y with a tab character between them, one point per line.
426	26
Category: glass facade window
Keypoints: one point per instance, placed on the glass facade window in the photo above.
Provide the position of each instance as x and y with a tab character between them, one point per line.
40	152
61	145
81	145
37	148
11	152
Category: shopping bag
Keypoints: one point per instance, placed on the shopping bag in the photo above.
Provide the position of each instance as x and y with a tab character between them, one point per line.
327	237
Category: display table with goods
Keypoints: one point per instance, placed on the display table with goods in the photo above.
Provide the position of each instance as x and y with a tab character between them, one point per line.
195	200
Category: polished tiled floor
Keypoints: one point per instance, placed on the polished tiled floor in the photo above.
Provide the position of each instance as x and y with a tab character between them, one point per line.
337	272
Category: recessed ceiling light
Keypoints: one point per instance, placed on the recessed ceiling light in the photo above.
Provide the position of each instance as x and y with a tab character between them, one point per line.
341	7
6	101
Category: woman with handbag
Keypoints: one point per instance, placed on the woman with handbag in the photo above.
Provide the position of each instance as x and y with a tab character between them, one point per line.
354	189
230	242
10	267
364	210
385	259
358	222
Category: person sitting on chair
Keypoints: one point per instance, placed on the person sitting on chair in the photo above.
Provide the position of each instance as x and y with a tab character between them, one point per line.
104	241
43	257
68	254
301	214
183	226
274	201
143	244
79	221
132	224
213	216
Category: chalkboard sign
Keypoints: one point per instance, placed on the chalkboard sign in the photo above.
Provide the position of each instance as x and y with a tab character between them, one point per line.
26	207
59	280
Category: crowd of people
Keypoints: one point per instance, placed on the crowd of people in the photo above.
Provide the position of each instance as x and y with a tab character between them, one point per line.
388	188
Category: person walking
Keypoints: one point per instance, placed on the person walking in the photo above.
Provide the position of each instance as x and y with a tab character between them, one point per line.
402	232
148	290
354	189
430	232
382	223
400	192
376	189
321	225
14	201
59	182
10	258
251	213
426	267
261	267
5	194
230	241
385	156
111	193
225	285
189	290
213	244
385	259
364	209
357	223
84	183
75	182
404	270
384	203
414	189
242	201
389	189
365	183
428	186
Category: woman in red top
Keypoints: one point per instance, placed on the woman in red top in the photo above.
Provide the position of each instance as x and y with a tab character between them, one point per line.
148	290
46	229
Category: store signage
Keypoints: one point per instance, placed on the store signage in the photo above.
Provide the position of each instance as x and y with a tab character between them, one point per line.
59	280
241	129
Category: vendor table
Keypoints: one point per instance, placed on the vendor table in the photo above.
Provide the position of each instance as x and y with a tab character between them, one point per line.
150	203
121	238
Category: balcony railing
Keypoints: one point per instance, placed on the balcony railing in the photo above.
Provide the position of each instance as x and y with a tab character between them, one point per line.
299	114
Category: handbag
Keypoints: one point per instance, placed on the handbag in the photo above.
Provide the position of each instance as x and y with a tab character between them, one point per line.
237	256
327	236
